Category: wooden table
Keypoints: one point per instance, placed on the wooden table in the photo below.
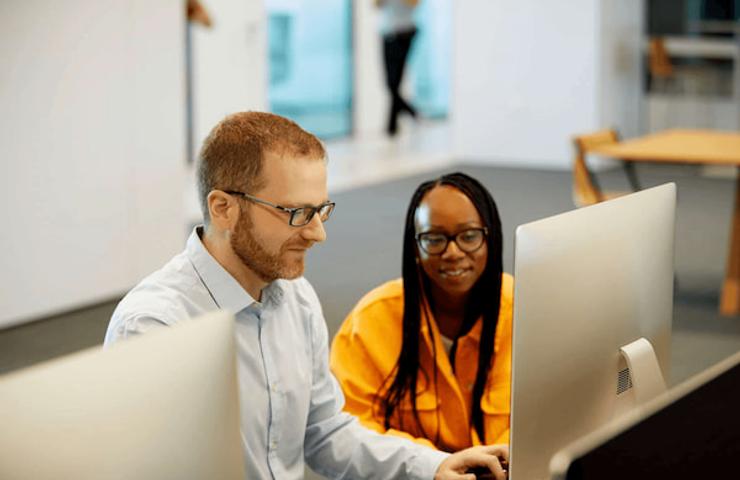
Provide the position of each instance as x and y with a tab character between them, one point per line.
706	147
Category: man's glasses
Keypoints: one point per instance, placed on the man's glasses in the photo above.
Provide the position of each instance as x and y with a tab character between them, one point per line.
299	216
435	243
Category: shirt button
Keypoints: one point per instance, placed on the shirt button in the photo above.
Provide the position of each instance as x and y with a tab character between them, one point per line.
273	445
274	387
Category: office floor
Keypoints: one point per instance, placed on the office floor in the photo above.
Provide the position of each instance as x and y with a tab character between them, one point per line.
364	249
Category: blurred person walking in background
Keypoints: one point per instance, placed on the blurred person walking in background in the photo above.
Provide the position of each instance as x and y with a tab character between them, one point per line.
398	30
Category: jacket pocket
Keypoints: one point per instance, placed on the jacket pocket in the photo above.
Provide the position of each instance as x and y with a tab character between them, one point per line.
496	410
427	406
496	402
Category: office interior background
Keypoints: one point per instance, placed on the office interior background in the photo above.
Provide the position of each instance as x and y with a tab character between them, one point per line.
106	104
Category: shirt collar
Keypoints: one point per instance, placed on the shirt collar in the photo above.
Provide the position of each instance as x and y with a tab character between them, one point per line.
225	290
273	293
473	334
477	329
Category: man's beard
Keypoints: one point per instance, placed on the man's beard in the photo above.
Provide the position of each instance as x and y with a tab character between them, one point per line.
269	267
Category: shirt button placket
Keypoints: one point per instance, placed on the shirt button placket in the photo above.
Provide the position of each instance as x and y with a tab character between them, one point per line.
273	391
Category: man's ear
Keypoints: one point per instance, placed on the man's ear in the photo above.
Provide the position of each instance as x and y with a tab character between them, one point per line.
223	210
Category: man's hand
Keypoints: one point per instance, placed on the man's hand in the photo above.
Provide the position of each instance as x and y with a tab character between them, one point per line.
489	461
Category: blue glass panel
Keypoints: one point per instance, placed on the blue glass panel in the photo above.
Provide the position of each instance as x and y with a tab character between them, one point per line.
310	62
430	61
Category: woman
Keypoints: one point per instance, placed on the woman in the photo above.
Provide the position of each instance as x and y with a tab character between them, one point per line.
428	356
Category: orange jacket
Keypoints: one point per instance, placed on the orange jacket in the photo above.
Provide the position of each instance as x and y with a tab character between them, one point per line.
366	349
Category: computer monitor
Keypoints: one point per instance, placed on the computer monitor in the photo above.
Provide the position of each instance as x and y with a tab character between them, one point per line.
692	431
593	305
162	406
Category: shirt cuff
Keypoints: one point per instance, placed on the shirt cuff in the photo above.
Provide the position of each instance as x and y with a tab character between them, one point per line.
426	464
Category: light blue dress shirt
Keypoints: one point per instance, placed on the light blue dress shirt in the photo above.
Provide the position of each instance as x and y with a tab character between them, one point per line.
291	404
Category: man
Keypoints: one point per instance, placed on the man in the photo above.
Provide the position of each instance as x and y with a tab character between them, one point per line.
262	182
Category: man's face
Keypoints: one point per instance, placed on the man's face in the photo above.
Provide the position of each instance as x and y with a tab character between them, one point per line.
263	238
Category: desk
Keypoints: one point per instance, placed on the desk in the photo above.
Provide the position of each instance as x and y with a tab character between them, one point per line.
694	147
702	47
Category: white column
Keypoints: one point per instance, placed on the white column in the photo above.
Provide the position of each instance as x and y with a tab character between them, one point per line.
530	74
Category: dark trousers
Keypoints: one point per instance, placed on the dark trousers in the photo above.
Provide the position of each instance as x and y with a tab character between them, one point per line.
395	52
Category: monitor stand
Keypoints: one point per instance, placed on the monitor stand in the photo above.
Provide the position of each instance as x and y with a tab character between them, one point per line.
640	378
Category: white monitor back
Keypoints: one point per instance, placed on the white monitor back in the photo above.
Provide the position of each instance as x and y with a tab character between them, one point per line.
163	406
587	282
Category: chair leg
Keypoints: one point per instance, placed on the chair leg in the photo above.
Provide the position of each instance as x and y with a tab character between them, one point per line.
730	297
629	170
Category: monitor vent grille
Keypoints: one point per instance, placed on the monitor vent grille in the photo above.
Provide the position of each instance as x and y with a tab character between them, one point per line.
624	381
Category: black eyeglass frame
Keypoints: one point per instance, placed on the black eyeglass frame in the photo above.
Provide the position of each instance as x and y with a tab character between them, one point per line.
292	211
453	238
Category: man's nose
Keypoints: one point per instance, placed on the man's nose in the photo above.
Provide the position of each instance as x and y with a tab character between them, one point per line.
314	230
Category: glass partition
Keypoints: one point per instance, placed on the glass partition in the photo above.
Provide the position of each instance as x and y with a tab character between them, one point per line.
310	63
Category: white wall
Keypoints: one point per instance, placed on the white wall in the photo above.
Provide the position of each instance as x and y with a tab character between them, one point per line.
230	73
95	189
530	74
93	146
230	65
620	63
370	95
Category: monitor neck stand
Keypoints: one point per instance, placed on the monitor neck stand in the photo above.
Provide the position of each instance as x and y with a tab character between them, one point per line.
647	379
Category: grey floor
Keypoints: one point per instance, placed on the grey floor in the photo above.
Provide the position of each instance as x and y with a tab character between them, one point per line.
364	246
364	249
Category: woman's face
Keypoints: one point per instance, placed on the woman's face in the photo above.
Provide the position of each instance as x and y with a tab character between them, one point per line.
446	210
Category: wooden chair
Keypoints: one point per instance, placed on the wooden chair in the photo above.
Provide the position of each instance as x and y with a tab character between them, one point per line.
662	73
586	190
659	63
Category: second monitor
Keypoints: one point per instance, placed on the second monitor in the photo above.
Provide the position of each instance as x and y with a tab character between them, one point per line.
593	306
163	406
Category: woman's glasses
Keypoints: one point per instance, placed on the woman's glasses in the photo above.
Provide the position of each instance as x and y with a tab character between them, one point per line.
435	243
